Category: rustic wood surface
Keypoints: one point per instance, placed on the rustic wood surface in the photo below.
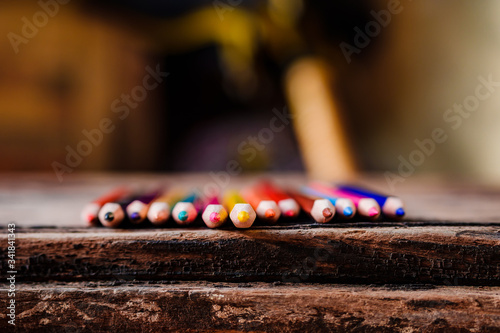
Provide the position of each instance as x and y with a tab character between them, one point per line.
256	307
438	255
442	263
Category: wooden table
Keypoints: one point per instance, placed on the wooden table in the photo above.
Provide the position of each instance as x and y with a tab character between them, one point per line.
438	270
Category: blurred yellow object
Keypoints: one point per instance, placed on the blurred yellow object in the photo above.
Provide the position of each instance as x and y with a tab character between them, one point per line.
317	121
236	35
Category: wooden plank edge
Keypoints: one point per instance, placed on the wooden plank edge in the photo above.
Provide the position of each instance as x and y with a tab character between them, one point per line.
257	307
449	256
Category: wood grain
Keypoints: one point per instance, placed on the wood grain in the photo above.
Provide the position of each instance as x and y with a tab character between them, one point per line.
437	255
256	307
266	279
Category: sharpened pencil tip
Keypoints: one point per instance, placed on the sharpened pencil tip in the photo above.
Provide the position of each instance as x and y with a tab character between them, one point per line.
373	212
243	216
269	213
109	217
183	216
290	213
135	216
400	212
161	216
348	211
327	212
90	218
215	217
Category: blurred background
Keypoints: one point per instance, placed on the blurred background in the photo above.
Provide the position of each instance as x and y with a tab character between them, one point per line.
275	85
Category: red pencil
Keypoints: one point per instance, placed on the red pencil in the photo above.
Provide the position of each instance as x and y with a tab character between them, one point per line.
321	210
265	208
286	203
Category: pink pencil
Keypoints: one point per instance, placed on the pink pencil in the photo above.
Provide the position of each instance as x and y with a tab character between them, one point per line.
214	214
367	207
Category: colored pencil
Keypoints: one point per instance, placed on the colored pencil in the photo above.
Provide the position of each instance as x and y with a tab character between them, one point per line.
241	212
366	207
287	204
321	210
392	206
265	208
113	214
344	207
214	214
90	212
138	209
186	210
159	210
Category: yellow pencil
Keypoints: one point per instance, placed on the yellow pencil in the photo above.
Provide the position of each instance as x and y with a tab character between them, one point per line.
241	213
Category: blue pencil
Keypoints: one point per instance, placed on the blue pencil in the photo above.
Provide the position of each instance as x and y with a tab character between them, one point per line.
186	210
392	207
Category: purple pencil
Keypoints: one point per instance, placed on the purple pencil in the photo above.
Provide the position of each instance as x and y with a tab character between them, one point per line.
137	210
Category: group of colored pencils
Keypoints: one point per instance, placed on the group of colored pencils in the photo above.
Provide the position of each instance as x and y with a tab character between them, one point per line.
264	200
